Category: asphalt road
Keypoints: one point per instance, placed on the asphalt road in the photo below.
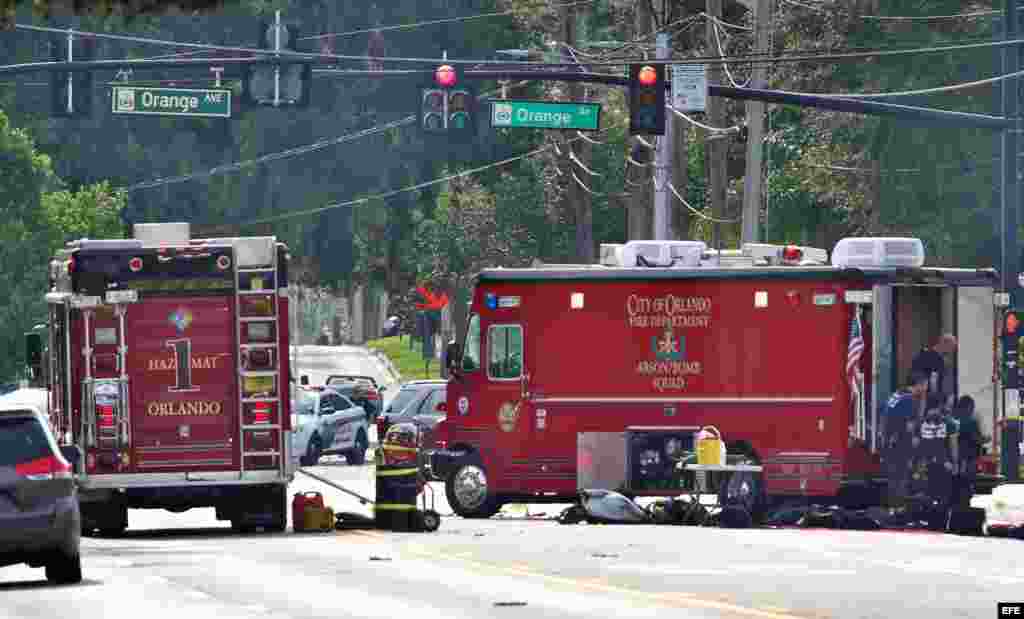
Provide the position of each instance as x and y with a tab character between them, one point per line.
190	565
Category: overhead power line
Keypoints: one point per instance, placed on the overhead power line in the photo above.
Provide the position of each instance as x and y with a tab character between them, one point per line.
931	17
919	92
285	55
292	152
394	192
696	211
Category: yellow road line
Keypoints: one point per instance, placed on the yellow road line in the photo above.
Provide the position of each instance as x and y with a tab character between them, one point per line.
681	599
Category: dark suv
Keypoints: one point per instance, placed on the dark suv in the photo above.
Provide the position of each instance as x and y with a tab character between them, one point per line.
416	402
40	519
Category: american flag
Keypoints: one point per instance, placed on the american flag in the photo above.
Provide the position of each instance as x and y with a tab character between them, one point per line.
855	350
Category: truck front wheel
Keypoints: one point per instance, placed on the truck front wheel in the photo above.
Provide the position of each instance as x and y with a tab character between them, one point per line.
468	493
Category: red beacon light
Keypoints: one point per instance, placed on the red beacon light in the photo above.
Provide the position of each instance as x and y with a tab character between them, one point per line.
445	76
791	254
647	76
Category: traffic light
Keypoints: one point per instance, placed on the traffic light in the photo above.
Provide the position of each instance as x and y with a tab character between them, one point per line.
296	81
646	99
446	105
81	81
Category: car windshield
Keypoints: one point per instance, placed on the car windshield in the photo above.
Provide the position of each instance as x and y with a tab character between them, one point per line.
403	398
22	440
304	403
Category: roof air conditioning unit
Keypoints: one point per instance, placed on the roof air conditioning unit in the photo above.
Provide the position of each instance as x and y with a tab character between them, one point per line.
663	253
171	234
879	252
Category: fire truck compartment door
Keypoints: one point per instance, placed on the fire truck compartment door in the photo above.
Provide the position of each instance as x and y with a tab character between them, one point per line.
183	383
975	331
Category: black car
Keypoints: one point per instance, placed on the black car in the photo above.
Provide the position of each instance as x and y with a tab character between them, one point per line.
416	402
40	519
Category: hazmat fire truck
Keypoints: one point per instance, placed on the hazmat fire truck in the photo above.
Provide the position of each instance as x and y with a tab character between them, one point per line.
165	370
758	342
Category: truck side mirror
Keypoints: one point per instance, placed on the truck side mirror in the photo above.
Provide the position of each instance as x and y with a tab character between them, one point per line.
304	380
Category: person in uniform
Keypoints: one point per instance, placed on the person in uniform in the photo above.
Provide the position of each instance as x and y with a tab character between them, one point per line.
936	452
899	427
971	440
931	362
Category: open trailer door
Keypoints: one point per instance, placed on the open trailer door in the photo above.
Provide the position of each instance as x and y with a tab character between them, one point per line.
976	333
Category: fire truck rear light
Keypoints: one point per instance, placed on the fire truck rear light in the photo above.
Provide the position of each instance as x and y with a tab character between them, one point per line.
90	461
105	415
135	264
49	467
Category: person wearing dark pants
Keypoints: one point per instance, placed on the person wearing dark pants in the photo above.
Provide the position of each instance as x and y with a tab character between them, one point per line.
936	452
970	439
900	424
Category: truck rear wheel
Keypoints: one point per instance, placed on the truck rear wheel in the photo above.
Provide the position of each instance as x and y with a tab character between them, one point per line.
468	492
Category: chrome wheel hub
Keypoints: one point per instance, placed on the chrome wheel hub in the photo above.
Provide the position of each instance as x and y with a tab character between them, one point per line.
470	485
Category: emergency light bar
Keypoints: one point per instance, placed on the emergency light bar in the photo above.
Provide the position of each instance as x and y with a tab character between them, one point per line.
879	252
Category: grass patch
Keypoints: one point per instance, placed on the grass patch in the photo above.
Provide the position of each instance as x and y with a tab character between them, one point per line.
409	363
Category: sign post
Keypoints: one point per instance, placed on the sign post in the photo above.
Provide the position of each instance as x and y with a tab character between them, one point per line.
690	87
171	101
545	115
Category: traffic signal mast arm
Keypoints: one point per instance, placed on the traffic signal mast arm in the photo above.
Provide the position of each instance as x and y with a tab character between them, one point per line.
826	102
854	106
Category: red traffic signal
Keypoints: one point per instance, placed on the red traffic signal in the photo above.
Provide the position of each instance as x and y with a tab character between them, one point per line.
648	76
445	76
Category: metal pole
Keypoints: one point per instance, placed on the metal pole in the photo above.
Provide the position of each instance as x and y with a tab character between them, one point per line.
752	190
1010	179
71	44
662	162
277	51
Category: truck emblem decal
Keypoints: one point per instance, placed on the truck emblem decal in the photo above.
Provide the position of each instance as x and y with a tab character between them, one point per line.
508	414
181	319
668	348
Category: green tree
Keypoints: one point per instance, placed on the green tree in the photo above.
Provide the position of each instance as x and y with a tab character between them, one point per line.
24	233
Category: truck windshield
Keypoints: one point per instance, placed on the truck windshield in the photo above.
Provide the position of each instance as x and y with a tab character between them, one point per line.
471	354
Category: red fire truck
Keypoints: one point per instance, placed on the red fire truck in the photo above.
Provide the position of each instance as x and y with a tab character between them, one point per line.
167	371
755	342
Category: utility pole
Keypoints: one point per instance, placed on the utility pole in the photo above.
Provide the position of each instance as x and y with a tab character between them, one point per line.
1010	178
639	218
716	149
752	188
663	162
577	199
277	54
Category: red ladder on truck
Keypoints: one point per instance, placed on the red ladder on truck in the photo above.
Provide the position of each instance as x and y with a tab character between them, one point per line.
254	276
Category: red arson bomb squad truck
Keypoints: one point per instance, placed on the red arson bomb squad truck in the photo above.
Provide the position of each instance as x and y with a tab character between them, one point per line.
790	357
166	370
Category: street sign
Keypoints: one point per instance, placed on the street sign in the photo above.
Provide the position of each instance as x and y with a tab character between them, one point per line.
545	115
689	87
171	101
